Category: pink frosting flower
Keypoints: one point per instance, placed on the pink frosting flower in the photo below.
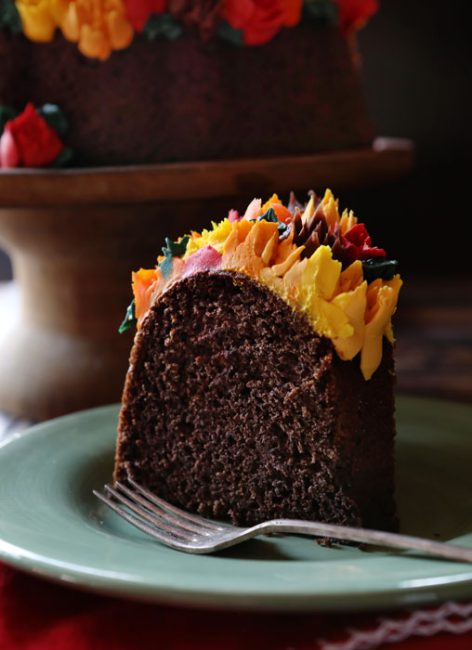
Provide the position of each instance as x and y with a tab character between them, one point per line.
9	154
233	215
202	260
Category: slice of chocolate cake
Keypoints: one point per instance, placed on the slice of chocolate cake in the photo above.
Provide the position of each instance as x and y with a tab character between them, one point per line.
235	404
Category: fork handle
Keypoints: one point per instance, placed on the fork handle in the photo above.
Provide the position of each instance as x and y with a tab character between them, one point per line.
365	536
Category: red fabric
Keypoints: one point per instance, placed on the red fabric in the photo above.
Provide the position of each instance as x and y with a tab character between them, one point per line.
37	615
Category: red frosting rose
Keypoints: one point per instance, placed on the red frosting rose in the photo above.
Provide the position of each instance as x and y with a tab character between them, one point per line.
357	245
260	20
35	142
138	11
354	13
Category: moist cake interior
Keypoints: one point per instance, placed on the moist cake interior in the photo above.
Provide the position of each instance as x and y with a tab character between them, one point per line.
235	407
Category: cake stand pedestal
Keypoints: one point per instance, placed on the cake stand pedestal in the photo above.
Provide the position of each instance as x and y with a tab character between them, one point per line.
75	235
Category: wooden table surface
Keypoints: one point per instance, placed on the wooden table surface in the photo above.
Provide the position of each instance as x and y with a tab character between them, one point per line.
434	339
433	328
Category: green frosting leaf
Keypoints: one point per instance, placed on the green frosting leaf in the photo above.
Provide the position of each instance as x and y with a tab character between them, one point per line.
166	265
170	250
230	34
64	159
323	12
270	215
379	268
129	320
176	249
282	227
6	114
54	117
9	17
162	26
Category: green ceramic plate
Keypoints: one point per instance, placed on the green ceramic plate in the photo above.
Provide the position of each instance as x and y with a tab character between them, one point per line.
52	525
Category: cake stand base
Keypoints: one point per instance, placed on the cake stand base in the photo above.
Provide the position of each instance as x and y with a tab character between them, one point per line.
47	373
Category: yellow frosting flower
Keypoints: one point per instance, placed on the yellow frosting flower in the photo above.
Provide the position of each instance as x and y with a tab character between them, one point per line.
40	18
215	237
98	26
381	305
320	280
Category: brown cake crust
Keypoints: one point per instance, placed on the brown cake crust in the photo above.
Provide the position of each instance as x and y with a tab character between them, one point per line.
186	100
234	407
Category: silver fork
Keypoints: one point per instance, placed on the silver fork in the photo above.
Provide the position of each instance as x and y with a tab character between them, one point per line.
194	534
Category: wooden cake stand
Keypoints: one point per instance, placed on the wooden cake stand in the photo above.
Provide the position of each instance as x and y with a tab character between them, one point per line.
75	235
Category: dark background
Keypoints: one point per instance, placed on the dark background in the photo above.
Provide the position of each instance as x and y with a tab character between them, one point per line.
417	68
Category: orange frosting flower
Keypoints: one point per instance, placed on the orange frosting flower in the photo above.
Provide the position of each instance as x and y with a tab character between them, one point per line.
144	283
98	26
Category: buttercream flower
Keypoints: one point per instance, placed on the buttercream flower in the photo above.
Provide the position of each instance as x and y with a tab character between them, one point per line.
204	259
40	18
353	14
340	303
357	245
261	20
29	141
233	215
9	154
98	26
321	224
139	11
293	12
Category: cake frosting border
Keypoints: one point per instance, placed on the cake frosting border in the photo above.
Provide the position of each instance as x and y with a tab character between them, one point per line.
333	294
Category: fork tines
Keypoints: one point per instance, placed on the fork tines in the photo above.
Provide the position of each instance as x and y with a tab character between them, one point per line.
156	517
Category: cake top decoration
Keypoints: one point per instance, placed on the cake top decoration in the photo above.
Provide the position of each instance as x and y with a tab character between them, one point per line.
321	262
101	26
